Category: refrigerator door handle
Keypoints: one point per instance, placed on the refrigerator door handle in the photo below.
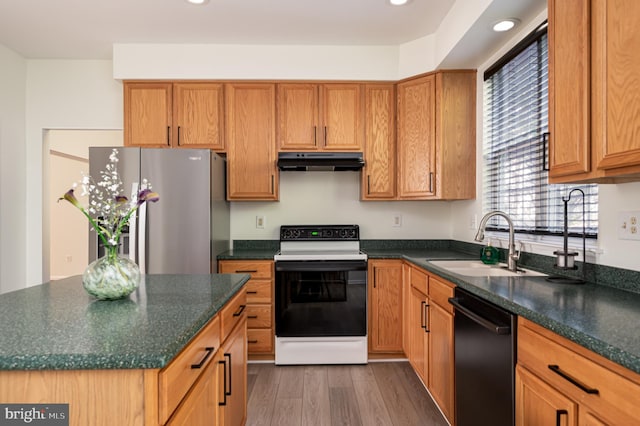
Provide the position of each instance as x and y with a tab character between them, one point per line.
142	240
133	225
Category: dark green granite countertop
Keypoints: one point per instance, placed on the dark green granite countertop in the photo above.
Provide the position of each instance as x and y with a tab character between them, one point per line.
599	316
58	326
246	254
603	319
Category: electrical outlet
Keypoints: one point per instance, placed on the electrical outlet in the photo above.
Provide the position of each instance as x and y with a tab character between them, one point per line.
629	225
260	222
473	221
397	220
68	258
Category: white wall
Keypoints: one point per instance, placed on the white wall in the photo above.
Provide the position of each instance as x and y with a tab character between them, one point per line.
61	94
241	62
309	198
13	195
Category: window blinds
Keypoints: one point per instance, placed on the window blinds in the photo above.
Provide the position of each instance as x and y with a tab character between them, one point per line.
515	179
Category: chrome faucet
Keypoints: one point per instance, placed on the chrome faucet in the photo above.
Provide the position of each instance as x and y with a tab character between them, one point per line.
513	255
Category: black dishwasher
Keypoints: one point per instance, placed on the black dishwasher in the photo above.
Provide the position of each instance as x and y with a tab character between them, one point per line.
485	356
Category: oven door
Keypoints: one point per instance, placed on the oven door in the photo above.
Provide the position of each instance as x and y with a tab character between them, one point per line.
321	298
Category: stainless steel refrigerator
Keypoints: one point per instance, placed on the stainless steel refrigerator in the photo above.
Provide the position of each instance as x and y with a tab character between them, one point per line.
189	226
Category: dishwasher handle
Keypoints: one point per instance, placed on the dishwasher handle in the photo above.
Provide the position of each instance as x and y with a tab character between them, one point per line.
488	324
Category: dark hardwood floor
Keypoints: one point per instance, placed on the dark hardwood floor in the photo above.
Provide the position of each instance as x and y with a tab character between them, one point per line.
379	393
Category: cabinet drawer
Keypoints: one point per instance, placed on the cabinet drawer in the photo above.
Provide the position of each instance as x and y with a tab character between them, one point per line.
260	340
258	291
259	316
232	313
257	269
419	280
551	357
178	377
440	292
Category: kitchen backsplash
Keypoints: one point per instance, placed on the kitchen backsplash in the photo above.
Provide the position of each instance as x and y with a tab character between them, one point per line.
623	279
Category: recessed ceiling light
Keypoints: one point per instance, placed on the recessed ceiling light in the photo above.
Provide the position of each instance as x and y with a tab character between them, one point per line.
398	2
505	24
198	1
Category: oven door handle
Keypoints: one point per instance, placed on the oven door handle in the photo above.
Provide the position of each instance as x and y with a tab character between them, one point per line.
321	266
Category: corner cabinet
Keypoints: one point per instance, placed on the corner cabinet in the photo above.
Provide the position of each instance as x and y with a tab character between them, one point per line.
379	173
166	114
385	306
593	91
317	117
560	382
252	173
436	136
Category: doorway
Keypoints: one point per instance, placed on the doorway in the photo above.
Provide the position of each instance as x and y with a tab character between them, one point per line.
65	229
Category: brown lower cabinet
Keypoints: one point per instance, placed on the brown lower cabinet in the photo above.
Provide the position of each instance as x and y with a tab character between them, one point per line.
430	348
260	311
233	407
385	306
561	383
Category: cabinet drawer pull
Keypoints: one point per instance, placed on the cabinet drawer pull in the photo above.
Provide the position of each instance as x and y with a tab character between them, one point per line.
556	369
209	350
224	389
252	341
252	292
559	414
246	271
239	311
252	316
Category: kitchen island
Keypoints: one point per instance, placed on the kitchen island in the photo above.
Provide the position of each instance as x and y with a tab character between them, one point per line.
113	362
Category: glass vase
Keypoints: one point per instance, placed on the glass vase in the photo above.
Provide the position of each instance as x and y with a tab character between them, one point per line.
111	277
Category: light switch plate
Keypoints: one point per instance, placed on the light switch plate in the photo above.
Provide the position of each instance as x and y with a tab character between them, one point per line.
260	221
629	225
397	220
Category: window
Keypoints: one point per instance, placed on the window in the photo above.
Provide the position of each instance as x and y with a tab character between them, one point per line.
515	178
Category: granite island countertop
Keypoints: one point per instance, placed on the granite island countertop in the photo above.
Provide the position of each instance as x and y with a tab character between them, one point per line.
58	326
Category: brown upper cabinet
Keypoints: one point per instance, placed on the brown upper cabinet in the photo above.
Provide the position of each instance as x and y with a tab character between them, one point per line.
251	150
436	136
165	114
379	173
594	90
317	117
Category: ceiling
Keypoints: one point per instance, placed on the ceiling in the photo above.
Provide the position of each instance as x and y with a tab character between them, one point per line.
87	29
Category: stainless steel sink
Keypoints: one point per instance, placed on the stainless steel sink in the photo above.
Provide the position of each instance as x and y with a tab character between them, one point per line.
475	268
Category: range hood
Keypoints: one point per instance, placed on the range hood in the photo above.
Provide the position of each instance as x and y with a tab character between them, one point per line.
320	161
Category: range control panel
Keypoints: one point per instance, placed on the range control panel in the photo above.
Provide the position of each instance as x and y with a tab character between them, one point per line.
319	233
